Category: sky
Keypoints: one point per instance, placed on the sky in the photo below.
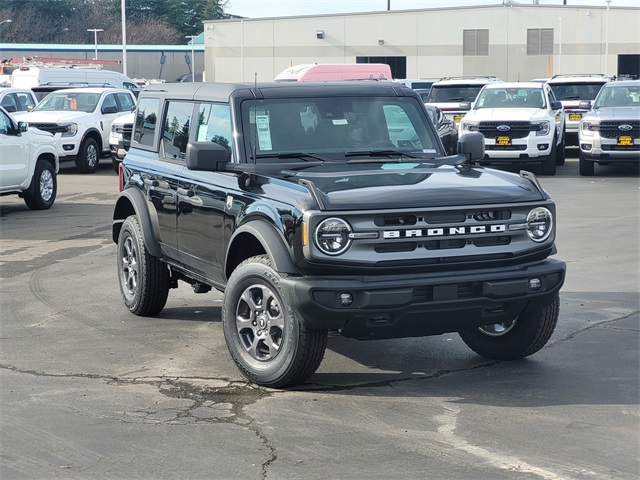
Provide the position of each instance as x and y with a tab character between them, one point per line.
284	8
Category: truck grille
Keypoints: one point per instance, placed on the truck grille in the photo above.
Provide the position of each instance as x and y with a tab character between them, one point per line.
455	237
125	130
516	129
609	129
49	127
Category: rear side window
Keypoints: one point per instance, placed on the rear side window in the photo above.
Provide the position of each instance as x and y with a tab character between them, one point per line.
175	131
146	122
126	102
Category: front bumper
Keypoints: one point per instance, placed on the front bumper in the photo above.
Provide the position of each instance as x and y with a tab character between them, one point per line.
529	149
599	149
396	306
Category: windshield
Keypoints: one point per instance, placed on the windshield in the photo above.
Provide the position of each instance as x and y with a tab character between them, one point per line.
63	102
578	91
619	96
337	127
453	93
510	98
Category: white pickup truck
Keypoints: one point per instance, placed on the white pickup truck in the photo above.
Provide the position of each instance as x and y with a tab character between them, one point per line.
28	163
522	123
80	120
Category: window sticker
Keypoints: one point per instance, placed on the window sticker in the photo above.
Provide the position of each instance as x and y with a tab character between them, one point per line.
264	132
340	121
202	133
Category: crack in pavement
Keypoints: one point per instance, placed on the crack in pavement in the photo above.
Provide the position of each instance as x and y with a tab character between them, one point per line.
208	404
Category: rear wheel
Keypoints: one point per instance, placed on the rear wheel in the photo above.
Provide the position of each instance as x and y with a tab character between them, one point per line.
586	167
88	156
517	338
144	280
266	338
44	185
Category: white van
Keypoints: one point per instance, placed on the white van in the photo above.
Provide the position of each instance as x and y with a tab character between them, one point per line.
33	76
317	72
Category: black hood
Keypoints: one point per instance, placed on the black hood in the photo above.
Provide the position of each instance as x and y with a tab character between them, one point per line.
412	185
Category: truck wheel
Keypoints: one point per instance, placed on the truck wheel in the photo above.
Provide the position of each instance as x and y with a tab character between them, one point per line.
266	339
561	152
115	163
44	185
517	338
586	167
144	280
88	156
549	164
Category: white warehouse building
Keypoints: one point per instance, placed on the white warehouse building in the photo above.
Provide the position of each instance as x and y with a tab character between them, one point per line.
512	41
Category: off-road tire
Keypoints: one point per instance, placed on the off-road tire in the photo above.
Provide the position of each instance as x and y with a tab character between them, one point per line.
585	166
528	334
44	185
88	156
144	280
266	338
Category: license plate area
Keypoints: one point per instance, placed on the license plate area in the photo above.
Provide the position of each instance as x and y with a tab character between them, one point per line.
625	141
503	141
457	118
575	117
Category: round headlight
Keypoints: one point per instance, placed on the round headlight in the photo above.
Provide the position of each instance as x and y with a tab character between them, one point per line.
332	236
539	224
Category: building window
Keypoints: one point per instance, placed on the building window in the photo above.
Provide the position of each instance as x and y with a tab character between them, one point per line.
475	42
540	41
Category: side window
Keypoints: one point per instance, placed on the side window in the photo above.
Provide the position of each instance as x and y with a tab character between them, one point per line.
24	101
214	125
110	101
129	86
146	122
9	103
175	130
126	102
5	123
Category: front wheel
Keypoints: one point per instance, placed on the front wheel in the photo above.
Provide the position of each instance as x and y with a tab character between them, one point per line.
549	163
586	167
266	338
88	156
144	280
517	338
42	191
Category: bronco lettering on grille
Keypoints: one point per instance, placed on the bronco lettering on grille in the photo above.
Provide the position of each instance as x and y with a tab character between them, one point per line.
444	231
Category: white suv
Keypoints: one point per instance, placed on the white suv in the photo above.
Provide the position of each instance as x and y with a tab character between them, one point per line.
28	163
522	122
453	95
571	90
80	119
120	138
610	131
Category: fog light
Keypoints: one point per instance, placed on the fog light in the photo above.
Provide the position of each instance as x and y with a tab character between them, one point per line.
586	146
543	146
68	147
346	299
535	283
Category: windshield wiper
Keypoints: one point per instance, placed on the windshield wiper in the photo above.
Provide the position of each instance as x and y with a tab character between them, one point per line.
376	153
301	155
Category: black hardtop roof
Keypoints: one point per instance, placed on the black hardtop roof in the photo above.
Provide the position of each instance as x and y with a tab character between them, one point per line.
221	92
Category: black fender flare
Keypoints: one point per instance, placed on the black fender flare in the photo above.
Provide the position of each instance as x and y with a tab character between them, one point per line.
94	132
132	202
271	242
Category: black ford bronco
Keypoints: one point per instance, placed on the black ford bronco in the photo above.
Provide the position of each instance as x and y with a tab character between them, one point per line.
329	206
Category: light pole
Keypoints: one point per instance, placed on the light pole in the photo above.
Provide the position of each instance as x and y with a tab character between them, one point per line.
606	41
95	39
193	60
560	47
124	37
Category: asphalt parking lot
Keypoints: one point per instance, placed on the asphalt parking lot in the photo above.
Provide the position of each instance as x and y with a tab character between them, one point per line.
89	391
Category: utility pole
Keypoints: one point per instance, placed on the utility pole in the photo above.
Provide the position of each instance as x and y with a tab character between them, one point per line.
124	37
95	37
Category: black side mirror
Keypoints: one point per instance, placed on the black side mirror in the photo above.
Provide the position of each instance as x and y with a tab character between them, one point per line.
110	109
23	127
556	105
207	156
472	146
